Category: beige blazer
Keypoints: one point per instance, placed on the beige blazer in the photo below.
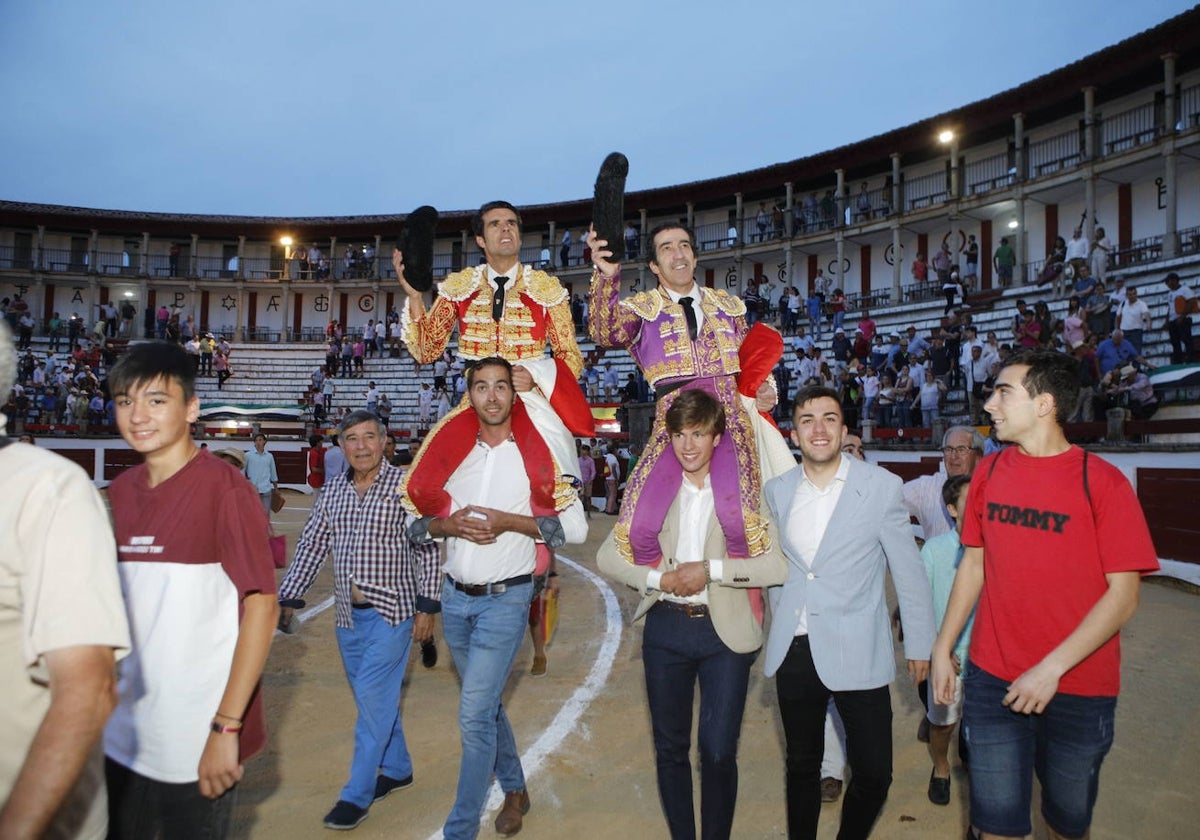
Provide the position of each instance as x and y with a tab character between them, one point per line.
728	600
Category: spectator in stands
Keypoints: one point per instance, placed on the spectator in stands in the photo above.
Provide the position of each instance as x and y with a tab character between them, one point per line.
885	401
1127	386
631	241
1047	322
929	399
1029	333
1181	304
920	271
332	351
813	304
1115	351
368	336
860	347
1052	268
384	409
941	263
870	385
612	383
442	400
372	397
360	349
837	305
591	381
1003	261
761	220
972	260
1078	251
564	252
1075	324
1089	382
753	302
1101	249
207	345
904	389
347	370
1133	318
612	477
1098	308
867	325
221	366
424	407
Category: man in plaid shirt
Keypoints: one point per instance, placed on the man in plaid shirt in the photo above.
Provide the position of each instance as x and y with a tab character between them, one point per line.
386	591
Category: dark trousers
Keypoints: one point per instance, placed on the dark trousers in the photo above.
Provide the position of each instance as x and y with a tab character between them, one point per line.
867	716
678	650
144	809
1180	332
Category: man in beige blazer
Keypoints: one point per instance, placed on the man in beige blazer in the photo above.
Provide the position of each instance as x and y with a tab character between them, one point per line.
703	622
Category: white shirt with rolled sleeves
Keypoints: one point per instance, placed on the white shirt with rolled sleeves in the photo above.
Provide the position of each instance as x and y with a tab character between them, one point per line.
495	477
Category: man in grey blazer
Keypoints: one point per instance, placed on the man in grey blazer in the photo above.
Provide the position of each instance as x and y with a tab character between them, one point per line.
841	524
702	623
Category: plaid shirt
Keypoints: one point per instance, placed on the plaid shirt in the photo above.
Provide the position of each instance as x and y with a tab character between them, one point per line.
370	545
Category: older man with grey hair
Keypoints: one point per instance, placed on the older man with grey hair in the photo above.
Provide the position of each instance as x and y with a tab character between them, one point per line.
386	592
962	447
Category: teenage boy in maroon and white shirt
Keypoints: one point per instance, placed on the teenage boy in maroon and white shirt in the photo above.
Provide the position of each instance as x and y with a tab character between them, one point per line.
200	596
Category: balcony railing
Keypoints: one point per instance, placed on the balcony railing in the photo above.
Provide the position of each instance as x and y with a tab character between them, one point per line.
872	204
1128	129
1139	251
990	173
1189	108
1062	151
925	191
715	235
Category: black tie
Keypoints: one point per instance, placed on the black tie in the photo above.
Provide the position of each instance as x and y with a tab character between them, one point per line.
690	314
498	299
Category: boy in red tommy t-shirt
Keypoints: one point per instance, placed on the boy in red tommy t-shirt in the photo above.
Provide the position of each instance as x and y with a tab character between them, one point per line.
199	587
1055	547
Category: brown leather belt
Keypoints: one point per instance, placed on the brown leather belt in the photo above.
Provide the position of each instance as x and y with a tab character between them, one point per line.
690	610
497	588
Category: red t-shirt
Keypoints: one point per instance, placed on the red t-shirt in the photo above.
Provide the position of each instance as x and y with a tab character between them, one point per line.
1046	552
189	551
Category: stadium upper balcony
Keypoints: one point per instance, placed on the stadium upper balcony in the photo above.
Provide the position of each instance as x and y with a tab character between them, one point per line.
1111	112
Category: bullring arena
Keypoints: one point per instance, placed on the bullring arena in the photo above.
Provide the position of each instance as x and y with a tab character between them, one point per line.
1111	141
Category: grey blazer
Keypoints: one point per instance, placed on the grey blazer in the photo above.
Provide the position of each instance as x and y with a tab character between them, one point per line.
848	623
728	601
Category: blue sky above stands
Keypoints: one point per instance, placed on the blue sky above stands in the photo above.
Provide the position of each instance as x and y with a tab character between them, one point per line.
307	108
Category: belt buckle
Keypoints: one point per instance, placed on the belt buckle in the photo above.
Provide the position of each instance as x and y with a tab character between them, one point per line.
496	588
695	610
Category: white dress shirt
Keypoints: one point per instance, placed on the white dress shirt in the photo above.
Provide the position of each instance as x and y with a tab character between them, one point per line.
492	477
809	517
696	509
694	294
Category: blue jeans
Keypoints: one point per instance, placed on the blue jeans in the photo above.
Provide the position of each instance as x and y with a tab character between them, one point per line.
676	651
484	633
375	657
1065	745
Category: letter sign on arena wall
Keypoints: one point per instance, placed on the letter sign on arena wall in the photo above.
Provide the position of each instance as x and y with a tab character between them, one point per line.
366	302
273	303
180	297
731	278
78	296
321	303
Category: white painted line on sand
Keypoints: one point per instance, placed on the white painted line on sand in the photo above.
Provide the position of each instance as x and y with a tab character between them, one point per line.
572	710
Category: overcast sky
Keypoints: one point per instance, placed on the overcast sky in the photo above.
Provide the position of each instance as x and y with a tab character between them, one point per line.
307	108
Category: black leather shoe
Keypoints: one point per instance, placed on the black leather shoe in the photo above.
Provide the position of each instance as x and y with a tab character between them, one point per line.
345	816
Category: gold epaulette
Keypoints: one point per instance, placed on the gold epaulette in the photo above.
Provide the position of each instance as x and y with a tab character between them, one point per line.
646	305
543	288
461	284
727	303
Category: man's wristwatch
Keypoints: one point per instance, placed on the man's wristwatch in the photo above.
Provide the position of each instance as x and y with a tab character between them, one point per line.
223	729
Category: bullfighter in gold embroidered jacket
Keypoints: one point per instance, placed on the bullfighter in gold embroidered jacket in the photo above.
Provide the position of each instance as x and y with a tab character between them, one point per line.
506	309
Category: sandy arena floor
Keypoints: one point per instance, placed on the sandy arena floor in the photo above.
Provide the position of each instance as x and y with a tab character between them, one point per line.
585	736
